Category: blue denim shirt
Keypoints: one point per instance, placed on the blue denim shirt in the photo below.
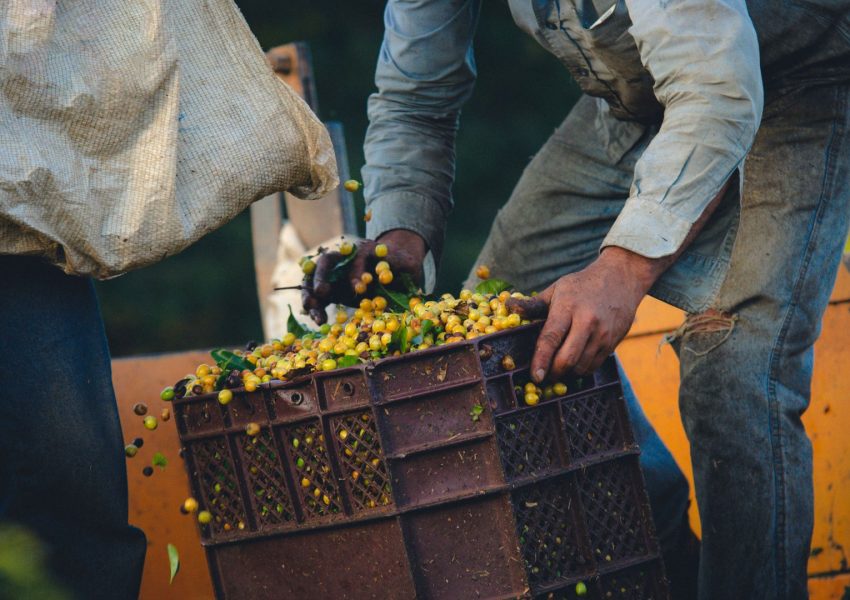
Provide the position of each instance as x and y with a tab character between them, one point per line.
696	62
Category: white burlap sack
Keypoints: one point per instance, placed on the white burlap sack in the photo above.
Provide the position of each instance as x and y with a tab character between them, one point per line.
131	128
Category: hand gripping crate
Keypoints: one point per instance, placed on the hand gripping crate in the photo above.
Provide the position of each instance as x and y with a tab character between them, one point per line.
384	481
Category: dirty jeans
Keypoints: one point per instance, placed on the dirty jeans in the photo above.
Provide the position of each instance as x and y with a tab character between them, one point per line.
746	371
62	465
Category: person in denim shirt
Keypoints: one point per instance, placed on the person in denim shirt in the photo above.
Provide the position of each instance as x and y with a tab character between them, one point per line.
644	189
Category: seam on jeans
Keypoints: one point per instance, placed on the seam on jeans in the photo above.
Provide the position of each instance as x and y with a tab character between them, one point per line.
774	422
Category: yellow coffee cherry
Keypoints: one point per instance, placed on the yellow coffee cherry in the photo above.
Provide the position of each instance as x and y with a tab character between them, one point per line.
346	248
341	317
380	303
385	277
366	305
225	396
382	266
483	272
329	364
559	388
204	517
308	267
351	185
190	505
378	326
531	399
381	250
288	339
366	278
360	287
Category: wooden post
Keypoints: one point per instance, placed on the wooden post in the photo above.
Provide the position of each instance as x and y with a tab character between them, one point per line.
317	220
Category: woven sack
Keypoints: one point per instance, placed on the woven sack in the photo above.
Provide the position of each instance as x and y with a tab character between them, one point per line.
131	128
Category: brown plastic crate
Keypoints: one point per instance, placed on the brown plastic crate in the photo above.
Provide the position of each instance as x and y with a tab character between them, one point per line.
375	482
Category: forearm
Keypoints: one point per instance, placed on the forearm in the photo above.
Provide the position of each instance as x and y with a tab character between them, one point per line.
639	272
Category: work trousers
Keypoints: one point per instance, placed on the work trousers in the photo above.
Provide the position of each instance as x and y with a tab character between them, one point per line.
62	466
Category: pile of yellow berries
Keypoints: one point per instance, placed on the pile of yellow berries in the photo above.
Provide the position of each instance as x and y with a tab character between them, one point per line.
377	328
371	332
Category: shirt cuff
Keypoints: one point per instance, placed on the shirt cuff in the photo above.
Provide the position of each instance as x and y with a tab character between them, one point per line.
406	210
647	228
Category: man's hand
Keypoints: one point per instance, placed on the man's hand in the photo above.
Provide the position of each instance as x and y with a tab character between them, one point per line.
406	253
589	312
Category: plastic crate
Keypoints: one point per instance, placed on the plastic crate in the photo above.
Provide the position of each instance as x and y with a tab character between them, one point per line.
377	482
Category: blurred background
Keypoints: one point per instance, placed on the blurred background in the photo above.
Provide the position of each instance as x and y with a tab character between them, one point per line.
206	296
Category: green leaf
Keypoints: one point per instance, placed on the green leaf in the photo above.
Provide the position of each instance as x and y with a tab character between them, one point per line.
229	361
397	301
399	339
294	327
159	460
347	361
493	286
341	268
476	412
427	326
173	561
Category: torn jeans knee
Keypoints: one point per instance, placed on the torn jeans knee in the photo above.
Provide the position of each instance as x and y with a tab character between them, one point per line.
702	332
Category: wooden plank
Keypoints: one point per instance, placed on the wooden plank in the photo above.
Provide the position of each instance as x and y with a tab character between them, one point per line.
316	220
266	217
330	216
293	63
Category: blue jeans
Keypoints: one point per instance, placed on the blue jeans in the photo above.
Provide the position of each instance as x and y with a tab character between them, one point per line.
62	469
756	282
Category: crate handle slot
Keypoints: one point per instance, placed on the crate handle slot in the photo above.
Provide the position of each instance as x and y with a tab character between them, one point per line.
347	388
296	398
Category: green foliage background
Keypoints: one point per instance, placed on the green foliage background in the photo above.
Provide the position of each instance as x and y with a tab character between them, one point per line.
206	295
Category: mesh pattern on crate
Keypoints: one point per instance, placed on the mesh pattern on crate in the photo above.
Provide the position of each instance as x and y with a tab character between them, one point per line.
272	504
547	533
592	425
314	474
527	442
612	513
219	485
636	583
362	461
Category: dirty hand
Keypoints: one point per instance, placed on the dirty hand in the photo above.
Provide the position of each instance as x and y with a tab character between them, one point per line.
589	313
406	252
